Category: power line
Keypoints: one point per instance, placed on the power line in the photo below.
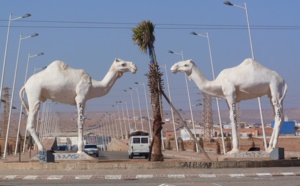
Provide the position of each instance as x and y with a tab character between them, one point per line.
112	25
159	28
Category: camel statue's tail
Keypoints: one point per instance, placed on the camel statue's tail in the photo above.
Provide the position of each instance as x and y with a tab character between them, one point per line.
284	93
21	94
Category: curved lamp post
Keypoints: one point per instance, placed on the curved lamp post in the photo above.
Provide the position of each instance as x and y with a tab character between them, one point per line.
172	111
122	137
127	117
6	46
116	125
133	115
35	69
189	98
149	122
252	54
25	79
126	132
4	61
13	89
139	103
213	73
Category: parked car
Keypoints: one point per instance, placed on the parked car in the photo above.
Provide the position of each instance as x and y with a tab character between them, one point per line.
91	150
62	148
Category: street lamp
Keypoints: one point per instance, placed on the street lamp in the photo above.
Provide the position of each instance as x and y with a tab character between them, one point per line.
116	124
123	116
149	122
5	51
13	89
248	24
172	112
213	73
25	79
109	133
189	98
35	69
28	60
127	116
113	123
130	91
42	125
122	137
138	96
252	53
105	130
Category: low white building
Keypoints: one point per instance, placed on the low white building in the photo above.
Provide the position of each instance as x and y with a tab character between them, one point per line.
186	136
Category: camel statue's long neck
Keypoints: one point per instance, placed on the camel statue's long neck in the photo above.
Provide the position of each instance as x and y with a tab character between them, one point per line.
203	84
101	88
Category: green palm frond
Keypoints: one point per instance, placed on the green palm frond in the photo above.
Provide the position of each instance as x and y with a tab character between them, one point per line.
143	35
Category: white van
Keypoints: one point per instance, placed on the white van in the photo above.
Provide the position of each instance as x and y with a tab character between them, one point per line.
139	146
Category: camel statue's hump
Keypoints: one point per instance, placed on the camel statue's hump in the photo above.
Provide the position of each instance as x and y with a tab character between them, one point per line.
250	62
58	65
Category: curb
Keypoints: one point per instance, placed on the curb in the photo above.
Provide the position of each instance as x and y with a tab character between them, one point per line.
142	176
182	164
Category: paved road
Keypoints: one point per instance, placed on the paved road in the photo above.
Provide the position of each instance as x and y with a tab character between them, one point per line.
161	177
113	155
277	181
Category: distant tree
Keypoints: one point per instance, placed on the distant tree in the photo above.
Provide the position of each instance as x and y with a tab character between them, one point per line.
228	144
218	147
201	142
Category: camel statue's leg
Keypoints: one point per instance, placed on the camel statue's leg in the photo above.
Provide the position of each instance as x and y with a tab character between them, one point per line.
274	112
31	120
229	92
235	139
80	123
278	119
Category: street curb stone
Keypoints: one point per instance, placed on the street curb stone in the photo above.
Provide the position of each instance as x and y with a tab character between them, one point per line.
180	164
142	177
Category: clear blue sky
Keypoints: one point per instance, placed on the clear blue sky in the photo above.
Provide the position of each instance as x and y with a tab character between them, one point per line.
90	34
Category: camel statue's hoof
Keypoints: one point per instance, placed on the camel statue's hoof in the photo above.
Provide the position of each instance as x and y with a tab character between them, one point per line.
269	150
233	151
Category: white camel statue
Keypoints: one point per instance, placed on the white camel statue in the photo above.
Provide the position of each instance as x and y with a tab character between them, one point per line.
246	81
66	85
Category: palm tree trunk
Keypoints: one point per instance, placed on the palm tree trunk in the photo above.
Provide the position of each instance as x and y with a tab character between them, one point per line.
154	77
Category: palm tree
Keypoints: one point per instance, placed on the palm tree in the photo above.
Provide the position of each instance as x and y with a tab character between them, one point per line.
144	38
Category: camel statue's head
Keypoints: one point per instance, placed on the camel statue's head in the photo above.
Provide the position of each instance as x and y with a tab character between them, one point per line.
122	66
183	66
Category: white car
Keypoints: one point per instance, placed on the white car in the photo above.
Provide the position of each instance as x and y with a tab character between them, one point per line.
91	149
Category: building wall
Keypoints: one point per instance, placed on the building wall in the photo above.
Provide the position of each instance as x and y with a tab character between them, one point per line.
288	127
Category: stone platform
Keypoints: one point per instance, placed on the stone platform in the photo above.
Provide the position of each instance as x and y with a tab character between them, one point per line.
68	156
249	155
58	156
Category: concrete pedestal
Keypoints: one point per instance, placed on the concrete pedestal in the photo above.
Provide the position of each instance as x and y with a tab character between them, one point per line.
248	155
277	154
45	156
62	156
48	156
